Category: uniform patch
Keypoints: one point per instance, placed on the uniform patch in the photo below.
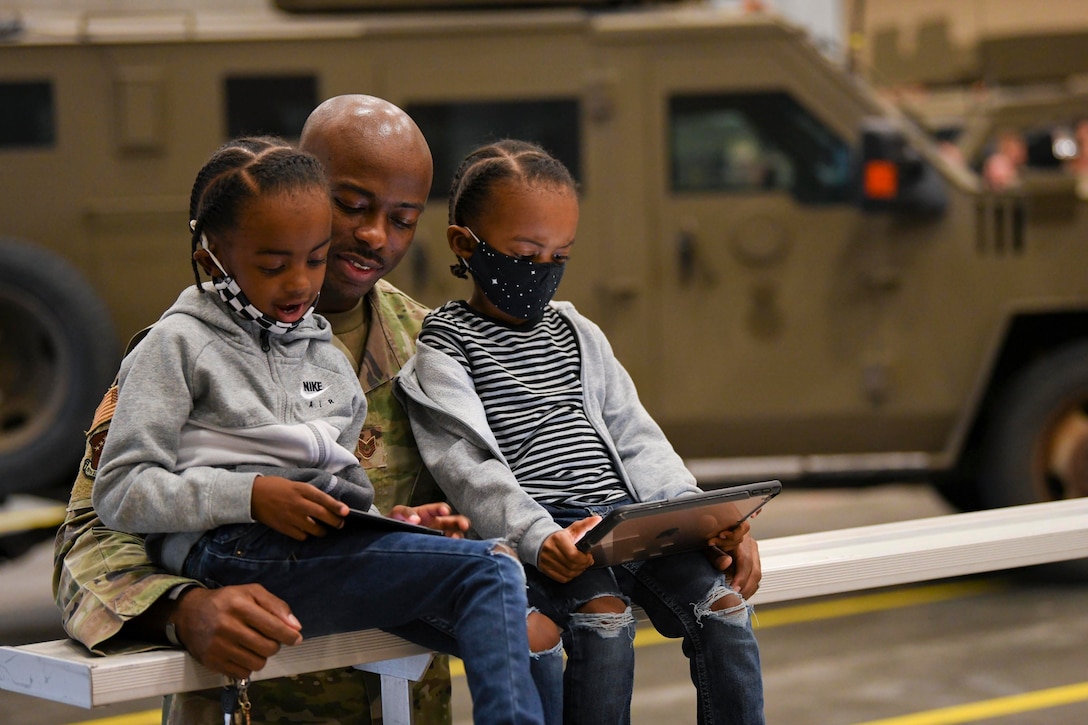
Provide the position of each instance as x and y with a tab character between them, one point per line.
105	409
94	445
370	449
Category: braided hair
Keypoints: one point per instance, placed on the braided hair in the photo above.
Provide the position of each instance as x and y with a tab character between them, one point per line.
238	172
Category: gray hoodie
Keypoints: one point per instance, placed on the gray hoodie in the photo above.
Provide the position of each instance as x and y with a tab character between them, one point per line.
199	396
459	448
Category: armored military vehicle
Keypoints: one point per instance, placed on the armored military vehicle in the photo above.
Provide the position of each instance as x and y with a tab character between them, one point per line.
801	284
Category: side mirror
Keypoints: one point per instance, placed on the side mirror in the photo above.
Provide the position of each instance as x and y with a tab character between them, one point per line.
893	176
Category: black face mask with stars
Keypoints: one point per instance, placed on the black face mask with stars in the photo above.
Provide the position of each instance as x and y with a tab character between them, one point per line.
519	287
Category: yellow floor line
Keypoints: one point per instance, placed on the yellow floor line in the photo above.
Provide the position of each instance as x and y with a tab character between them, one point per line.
880	601
144	717
45	517
990	709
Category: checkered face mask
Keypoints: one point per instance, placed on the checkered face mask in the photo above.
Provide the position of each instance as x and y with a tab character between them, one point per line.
232	294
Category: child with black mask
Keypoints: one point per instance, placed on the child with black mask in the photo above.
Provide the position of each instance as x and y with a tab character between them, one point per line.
534	430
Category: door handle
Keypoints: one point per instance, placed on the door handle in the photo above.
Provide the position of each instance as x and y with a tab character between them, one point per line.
685	254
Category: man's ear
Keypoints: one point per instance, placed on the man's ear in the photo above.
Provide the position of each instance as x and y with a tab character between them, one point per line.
460	241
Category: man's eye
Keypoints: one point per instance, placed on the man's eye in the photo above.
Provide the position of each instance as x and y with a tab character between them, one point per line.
560	258
406	224
348	206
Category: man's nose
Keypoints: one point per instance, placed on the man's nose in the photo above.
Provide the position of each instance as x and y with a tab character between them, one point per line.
371	232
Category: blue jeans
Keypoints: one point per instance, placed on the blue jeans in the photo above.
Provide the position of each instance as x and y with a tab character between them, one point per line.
453	595
676	592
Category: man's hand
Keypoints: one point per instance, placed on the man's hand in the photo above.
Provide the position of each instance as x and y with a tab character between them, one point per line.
560	558
434	516
294	508
235	629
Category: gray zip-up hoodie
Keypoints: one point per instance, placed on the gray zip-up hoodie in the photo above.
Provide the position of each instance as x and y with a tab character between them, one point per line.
207	391
459	448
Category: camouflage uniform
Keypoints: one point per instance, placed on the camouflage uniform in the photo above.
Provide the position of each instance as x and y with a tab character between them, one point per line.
102	578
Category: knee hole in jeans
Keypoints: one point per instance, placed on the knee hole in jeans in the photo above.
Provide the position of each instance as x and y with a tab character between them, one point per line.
729	601
544	634
604	605
725	605
607	616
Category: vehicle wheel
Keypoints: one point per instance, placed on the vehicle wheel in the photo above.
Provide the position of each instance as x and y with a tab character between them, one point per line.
1036	446
58	351
960	487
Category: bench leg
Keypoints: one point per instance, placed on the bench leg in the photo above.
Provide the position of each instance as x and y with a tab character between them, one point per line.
397	676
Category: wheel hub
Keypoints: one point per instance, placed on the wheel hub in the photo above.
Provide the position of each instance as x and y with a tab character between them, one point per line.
1067	460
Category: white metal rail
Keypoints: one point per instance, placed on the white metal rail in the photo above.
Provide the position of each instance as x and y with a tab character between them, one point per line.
794	567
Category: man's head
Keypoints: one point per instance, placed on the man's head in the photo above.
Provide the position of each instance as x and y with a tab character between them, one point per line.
379	168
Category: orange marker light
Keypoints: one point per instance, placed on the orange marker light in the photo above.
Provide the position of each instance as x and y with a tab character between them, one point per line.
881	179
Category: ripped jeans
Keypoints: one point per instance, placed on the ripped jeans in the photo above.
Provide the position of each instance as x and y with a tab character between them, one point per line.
676	592
460	596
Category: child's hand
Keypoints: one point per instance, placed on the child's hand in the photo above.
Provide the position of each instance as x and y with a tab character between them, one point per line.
560	558
433	516
294	508
729	539
721	546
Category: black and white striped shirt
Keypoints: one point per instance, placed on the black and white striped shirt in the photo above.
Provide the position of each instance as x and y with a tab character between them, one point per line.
528	378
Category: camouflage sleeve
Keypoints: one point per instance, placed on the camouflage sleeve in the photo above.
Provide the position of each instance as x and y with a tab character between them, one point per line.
101	578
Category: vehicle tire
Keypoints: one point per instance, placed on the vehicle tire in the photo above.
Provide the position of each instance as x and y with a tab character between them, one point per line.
59	350
960	487
1036	445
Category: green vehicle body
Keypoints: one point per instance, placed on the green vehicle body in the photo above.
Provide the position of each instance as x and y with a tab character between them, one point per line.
777	321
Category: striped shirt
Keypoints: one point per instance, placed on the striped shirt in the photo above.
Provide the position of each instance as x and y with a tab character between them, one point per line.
528	379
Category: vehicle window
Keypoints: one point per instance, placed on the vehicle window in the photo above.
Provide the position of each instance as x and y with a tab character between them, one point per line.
454	129
755	142
268	104
27	116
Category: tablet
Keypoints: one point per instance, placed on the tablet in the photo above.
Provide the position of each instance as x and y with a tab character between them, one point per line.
384	523
658	528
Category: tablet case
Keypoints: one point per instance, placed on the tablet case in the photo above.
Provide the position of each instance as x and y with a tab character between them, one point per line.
658	528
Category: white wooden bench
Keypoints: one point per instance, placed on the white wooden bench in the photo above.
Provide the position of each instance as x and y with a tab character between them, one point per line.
794	567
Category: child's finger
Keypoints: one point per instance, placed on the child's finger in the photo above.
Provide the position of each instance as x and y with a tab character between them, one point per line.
410	514
719	559
579	528
327	509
